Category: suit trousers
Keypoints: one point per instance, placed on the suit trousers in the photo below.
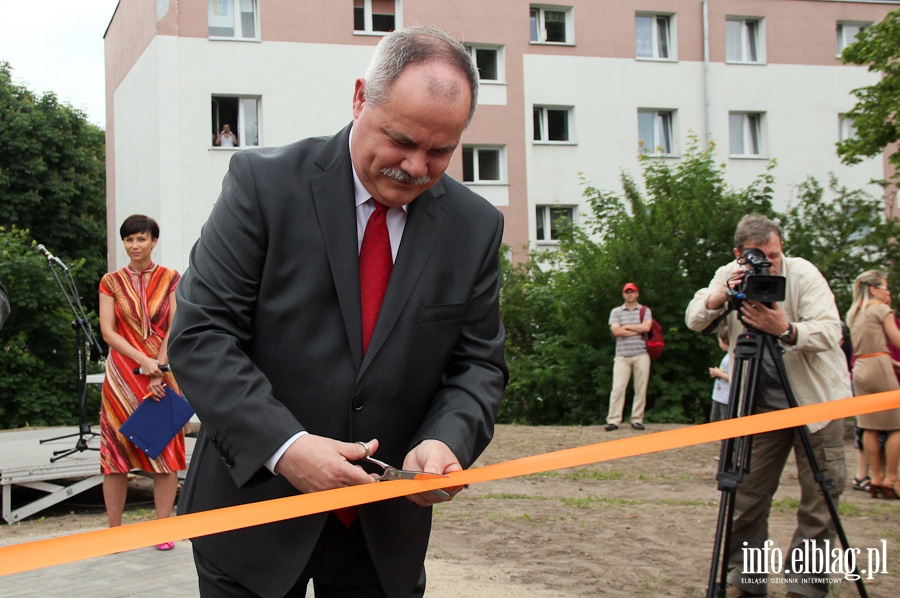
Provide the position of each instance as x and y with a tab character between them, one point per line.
340	567
753	501
623	368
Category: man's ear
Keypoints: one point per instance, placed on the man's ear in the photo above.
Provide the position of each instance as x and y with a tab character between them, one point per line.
738	252
359	96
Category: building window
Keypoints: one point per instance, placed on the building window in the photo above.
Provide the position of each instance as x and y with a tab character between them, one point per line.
489	60
241	114
551	25
846	129
233	18
375	16
553	221
743	40
653	38
655	132
847	32
552	124
745	134
483	164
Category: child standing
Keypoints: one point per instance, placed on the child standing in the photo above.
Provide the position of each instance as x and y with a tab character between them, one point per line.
722	385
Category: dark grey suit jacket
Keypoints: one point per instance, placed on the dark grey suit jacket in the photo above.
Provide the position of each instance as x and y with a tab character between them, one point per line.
267	341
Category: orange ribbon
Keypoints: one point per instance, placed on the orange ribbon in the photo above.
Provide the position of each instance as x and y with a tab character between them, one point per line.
28	556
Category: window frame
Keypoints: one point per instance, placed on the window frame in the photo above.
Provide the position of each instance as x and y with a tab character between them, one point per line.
846	130
240	126
752	124
545	125
671	53
541	29
476	150
544	222
499	57
759	39
237	23
368	18
662	119
842	41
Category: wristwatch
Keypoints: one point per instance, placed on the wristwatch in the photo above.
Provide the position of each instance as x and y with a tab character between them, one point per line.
787	335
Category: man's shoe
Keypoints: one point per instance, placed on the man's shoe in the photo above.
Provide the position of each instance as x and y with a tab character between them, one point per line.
611	427
638	426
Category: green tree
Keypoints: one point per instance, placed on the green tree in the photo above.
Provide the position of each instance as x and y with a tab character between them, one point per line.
53	178
843	235
668	236
38	370
875	115
665	240
52	191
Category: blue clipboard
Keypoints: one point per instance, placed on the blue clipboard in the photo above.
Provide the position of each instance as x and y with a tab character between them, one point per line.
154	424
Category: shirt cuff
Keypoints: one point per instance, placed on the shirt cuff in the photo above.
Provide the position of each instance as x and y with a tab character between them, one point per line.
273	460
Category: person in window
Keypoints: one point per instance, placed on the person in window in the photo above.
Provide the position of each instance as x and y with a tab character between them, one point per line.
137	304
298	369
226	138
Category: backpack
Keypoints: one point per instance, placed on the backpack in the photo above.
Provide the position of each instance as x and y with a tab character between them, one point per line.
654	338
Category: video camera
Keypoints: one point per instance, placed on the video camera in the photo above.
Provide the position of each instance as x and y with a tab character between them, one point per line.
758	284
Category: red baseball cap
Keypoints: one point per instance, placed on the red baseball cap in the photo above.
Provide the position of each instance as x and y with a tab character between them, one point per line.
630	287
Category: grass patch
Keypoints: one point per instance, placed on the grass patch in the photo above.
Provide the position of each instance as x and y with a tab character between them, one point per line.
512	496
585	502
578	475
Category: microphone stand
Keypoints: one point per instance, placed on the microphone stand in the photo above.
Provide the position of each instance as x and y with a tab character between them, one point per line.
84	338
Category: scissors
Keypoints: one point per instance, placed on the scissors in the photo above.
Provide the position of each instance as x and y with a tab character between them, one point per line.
389	472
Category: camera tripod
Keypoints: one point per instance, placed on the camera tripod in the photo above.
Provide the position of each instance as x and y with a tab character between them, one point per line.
85	345
734	460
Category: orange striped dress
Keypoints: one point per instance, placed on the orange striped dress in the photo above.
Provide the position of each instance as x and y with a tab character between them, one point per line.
142	318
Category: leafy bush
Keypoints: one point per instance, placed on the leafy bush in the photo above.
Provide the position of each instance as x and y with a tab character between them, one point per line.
669	239
38	369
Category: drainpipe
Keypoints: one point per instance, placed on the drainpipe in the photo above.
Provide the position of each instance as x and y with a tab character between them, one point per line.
706	82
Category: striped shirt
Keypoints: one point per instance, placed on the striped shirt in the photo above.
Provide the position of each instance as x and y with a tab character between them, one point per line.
629	346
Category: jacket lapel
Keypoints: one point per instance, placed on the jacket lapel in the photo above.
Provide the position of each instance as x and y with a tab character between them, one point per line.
333	195
425	216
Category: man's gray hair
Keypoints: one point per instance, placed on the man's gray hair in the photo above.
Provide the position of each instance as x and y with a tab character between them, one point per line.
756	229
416	44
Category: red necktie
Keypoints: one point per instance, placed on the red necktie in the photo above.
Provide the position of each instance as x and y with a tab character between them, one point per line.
375	263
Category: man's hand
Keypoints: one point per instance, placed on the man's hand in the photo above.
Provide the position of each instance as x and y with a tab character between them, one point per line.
432	456
770	320
719	298
314	463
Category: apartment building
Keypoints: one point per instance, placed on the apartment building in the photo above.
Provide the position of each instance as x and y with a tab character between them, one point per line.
570	91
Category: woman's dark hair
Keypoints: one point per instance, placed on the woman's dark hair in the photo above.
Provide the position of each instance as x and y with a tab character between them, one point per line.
138	223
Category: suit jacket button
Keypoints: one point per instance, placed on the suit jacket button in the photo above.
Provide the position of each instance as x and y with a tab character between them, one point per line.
229	462
357	404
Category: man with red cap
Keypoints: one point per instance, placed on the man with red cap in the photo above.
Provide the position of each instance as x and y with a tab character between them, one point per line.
629	326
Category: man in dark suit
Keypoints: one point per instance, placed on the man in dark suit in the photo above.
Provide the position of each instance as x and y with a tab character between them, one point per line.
270	346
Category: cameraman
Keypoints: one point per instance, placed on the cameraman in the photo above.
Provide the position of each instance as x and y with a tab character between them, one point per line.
808	327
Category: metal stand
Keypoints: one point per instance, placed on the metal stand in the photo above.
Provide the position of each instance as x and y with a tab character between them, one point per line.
85	343
734	460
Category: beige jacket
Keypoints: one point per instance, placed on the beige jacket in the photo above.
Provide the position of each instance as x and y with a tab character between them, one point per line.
816	366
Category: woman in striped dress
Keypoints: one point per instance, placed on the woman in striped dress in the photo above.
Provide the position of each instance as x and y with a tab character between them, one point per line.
137	304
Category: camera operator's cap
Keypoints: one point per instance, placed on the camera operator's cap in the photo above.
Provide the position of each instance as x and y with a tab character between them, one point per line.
630	287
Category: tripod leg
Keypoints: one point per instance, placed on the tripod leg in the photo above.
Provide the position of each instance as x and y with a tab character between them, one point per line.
825	484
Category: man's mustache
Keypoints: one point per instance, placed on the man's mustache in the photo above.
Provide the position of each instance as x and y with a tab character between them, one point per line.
401	176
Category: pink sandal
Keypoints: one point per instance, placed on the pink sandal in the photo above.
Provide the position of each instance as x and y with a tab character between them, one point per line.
165	546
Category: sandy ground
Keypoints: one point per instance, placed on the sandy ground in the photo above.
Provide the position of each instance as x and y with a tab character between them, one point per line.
642	526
